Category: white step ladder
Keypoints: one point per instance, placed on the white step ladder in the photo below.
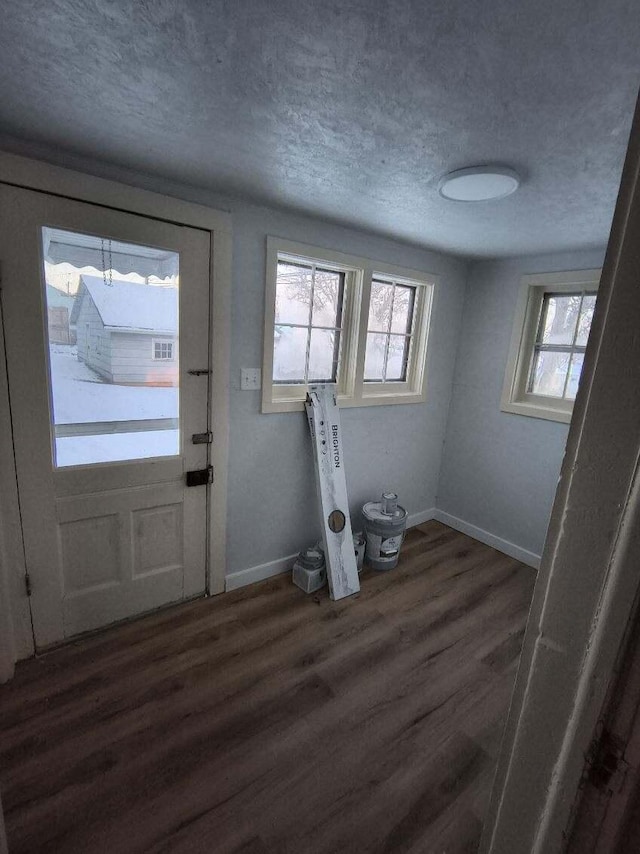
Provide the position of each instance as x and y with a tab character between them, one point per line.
337	537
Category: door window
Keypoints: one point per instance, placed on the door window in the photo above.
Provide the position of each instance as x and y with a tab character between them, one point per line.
113	348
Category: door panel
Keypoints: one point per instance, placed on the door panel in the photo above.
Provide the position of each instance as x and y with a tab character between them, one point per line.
106	540
119	547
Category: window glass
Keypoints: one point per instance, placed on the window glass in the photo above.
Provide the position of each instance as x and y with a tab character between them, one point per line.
289	354
565	323
575	370
397	358
293	293
550	373
560	318
380	307
309	302
586	316
402	309
323	355
327	294
114	383
389	332
374	358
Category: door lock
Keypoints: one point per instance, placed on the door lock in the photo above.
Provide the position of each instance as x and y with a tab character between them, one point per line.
200	477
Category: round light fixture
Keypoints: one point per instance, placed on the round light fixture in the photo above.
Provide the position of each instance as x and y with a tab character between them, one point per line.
479	183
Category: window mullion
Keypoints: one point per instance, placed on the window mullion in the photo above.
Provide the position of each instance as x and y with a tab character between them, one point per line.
310	326
407	353
360	306
306	326
558	348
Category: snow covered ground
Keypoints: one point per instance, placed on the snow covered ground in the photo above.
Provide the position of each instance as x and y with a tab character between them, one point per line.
107	448
81	396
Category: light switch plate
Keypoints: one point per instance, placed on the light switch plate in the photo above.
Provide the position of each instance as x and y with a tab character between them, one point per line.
250	379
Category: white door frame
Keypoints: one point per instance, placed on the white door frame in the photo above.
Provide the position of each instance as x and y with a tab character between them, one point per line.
588	578
36	175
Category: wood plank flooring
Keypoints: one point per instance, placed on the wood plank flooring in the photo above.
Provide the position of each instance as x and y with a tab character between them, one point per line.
265	721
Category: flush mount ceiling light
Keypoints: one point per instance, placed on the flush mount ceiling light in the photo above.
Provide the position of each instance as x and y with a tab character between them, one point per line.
479	183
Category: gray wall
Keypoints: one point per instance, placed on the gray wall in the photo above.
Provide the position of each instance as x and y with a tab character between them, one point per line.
499	471
271	499
272	504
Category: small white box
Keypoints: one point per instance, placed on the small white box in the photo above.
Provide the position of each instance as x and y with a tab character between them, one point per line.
308	578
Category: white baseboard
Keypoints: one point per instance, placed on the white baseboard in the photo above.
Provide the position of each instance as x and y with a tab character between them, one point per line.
488	538
276	567
258	573
418	518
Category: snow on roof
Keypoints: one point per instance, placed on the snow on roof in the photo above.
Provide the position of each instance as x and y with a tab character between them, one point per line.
130	306
58	299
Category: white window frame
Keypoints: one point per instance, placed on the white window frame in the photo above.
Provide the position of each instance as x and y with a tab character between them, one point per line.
352	390
161	341
515	397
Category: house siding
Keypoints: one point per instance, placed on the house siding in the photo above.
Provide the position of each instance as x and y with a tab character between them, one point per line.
132	359
94	341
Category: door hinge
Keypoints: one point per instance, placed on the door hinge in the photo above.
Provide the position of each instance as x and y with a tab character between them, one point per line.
200	477
202	438
607	767
27	583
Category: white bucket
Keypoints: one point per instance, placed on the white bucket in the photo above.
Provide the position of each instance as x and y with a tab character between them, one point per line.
384	524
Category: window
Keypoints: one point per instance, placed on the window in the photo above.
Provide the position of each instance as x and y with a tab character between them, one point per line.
330	317
550	335
389	331
107	403
306	346
163	350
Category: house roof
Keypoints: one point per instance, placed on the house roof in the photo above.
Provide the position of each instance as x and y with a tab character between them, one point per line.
59	299
129	306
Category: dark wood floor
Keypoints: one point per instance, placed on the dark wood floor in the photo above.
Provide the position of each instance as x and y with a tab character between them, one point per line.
265	720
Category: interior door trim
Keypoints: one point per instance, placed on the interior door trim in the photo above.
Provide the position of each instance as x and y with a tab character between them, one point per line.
30	174
36	175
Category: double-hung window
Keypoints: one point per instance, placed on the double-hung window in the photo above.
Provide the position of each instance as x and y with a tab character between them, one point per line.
337	318
549	339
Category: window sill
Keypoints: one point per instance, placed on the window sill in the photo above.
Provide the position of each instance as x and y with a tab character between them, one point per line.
537	410
346	402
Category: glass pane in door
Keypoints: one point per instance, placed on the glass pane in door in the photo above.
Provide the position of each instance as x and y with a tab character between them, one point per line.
113	348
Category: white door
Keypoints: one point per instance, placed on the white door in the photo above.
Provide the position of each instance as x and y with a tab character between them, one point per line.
105	411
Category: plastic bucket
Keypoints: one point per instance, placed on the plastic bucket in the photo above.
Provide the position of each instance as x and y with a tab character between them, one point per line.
384	526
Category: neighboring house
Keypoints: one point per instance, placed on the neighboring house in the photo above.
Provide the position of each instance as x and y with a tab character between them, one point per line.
128	332
59	308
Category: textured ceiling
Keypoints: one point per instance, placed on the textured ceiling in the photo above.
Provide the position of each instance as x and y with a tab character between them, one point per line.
349	110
